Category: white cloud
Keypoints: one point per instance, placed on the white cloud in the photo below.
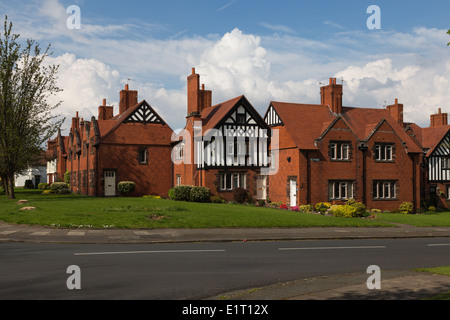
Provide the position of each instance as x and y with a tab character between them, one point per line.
85	84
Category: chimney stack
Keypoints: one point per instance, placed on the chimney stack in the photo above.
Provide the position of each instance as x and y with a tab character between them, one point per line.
331	96
75	123
128	99
105	112
198	98
396	111
439	119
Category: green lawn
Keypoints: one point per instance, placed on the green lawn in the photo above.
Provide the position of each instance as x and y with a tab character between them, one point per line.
78	211
430	219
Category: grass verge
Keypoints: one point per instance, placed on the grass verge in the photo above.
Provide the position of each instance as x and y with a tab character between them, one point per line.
73	211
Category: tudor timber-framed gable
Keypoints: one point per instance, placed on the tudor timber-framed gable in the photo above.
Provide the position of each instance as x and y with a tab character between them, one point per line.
439	161
144	113
240	139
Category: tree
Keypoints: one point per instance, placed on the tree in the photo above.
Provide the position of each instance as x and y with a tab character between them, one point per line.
26	117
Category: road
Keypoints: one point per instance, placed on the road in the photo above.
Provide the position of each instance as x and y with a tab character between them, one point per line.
198	270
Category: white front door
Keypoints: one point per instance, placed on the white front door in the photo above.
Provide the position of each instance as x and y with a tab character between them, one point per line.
110	184
261	187
293	193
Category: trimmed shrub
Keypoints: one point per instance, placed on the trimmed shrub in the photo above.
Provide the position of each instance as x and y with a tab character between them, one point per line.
432	208
360	207
126	187
322	207
200	194
56	186
28	184
240	195
217	199
406	208
307	208
181	193
43	186
344	211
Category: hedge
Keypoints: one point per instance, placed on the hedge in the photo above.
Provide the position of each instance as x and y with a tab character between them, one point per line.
126	186
190	194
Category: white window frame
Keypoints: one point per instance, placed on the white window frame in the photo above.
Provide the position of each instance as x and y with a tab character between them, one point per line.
342	148
385	190
345	190
231	181
384	152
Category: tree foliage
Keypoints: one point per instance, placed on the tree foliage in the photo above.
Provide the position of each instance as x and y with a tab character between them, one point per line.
26	117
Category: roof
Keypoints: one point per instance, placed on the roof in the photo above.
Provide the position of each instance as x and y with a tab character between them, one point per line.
307	122
212	116
304	122
432	136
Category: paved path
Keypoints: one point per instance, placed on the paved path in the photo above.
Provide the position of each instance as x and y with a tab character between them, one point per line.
35	234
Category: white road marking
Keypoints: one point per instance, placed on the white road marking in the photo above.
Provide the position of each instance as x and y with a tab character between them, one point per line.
439	245
332	248
146	252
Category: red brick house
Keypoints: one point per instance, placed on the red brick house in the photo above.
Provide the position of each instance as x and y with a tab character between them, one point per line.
222	147
134	145
331	153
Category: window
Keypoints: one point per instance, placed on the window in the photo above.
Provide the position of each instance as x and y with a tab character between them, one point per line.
178	180
143	156
240	118
340	190
339	151
384	152
384	190
231	181
179	152
446	163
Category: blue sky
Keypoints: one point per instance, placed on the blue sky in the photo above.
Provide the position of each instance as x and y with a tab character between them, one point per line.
267	50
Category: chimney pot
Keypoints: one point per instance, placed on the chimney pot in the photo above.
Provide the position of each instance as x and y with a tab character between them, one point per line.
193	71
104	102
126	87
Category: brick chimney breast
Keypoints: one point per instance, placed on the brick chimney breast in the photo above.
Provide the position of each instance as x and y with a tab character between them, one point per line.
396	111
128	99
439	119
331	96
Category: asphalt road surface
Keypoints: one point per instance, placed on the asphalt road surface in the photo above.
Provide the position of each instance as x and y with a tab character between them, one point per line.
195	271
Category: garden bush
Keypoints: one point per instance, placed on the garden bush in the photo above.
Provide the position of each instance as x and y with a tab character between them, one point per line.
406	208
360	207
240	195
432	208
43	186
217	199
56	186
181	193
307	208
200	194
322	207
344	211
126	187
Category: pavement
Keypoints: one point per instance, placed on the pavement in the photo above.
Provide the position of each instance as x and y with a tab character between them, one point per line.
396	285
